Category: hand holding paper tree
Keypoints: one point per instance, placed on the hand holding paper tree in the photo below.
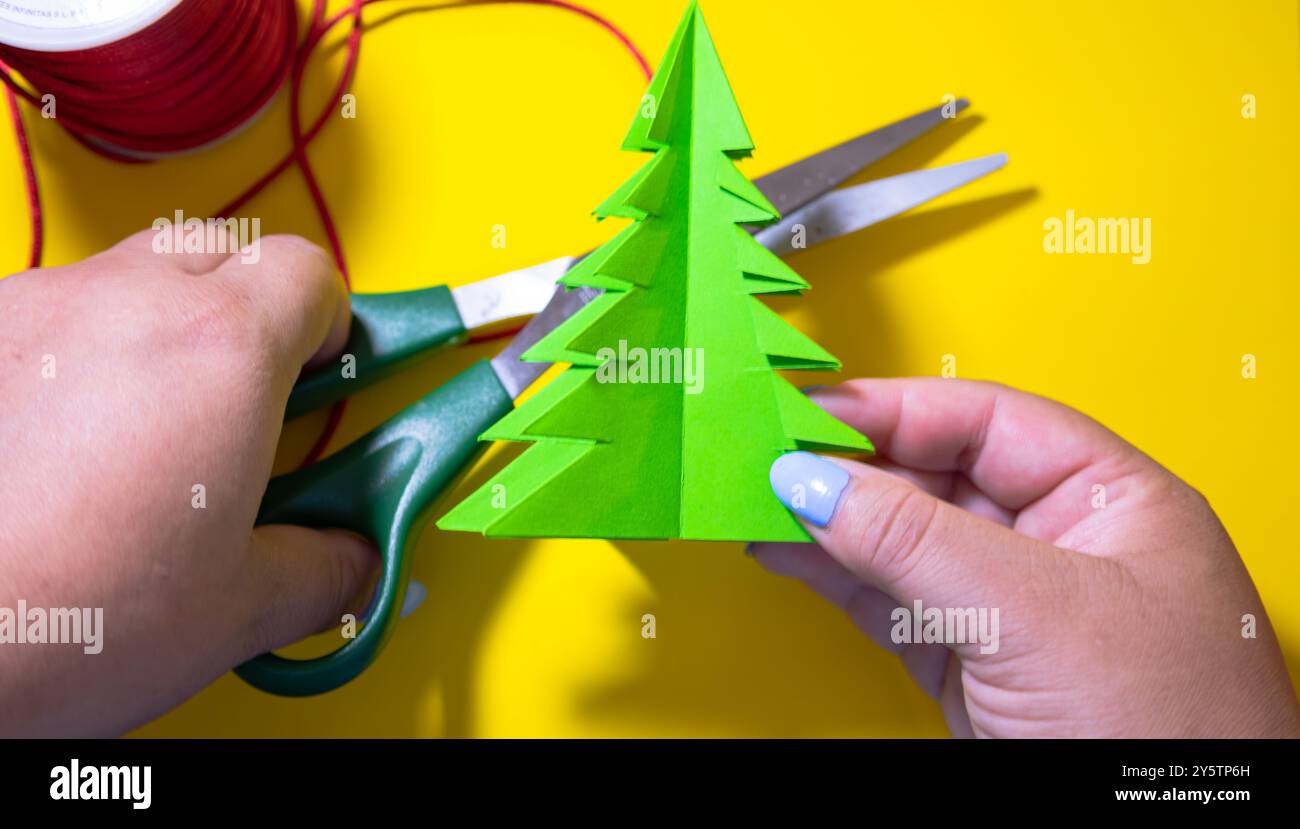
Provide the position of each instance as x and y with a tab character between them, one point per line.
672	409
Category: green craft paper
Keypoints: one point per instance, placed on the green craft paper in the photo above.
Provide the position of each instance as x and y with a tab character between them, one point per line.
651	460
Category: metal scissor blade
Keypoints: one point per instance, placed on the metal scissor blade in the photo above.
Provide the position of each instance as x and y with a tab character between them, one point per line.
788	189
849	210
794	186
506	296
515	376
831	216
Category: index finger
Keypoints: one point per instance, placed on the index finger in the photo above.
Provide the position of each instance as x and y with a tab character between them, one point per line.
1014	446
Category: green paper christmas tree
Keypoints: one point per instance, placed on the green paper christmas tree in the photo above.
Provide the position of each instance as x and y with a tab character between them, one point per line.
672	410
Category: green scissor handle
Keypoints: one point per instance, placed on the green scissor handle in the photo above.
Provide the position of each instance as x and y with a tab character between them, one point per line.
389	333
382	487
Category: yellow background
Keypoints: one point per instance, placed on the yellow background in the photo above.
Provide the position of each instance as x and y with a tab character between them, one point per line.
512	115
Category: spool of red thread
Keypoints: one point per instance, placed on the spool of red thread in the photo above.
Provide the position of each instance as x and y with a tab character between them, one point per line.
139	79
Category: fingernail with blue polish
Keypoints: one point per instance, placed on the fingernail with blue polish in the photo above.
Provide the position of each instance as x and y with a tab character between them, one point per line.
415	596
808	485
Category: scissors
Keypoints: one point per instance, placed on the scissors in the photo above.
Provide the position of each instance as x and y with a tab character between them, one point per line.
384	484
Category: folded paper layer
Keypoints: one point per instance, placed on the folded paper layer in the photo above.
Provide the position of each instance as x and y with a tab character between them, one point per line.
672	410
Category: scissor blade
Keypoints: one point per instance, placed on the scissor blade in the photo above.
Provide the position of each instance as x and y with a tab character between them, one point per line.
509	295
527	291
849	210
515	376
831	216
798	184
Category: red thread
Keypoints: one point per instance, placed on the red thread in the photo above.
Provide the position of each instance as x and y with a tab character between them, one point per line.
34	213
194	76
182	82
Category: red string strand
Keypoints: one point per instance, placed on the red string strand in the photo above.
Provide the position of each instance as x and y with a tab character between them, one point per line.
169	60
34	214
188	79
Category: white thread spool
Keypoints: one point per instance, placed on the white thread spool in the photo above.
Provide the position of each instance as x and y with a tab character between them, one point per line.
76	25
73	25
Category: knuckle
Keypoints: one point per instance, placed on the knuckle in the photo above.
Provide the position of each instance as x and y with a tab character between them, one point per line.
297	258
341	579
303	270
260	633
892	530
141	240
294	242
263	624
264	627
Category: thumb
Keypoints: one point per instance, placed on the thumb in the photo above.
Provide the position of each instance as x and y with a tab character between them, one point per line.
302	581
915	547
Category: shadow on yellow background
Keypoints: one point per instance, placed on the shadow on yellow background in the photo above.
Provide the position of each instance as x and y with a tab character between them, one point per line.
512	115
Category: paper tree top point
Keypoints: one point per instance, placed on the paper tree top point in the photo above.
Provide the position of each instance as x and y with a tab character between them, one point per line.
672	411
